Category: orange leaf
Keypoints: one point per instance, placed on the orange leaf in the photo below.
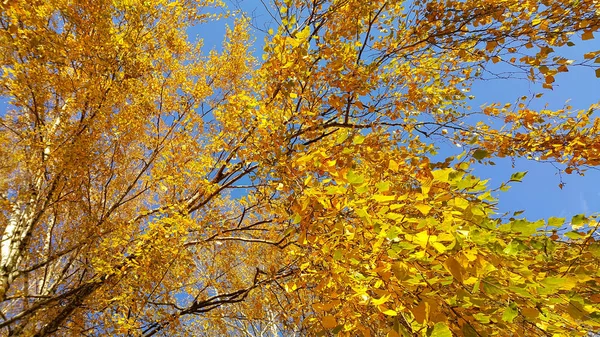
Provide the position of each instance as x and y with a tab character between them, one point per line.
454	268
329	322
587	35
421	312
491	45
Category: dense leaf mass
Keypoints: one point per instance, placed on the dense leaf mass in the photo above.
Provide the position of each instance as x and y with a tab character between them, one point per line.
149	187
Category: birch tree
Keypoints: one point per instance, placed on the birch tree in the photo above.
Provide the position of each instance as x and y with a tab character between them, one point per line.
149	187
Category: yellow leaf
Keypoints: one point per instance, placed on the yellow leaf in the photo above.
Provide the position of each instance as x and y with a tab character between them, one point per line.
383	198
390	312
304	34
424	209
393	165
477	210
358	139
325	306
439	247
442	175
461	202
426	187
381	300
423	238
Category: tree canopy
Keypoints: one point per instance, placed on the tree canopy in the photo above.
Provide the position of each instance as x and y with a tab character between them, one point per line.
151	187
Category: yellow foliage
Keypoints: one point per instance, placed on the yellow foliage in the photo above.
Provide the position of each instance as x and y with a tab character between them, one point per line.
148	186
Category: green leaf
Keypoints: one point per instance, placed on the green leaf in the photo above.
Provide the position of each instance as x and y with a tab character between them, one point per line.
442	175
482	318
358	139
578	219
553	282
491	287
594	248
392	233
524	227
383	186
342	136
365	216
480	154
555	222
573	235
440	330
337	255
354	178
337	329
518	176
566	283
514	247
520	290
510	313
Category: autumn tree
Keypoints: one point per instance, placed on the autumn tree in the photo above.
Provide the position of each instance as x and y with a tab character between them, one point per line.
149	187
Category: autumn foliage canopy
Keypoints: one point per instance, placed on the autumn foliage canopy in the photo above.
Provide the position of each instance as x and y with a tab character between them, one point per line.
288	182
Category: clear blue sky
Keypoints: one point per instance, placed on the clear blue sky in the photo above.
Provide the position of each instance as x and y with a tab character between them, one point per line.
539	194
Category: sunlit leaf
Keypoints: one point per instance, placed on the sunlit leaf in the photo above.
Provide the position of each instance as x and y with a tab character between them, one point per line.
440	330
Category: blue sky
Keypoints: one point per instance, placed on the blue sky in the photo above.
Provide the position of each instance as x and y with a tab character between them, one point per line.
538	195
